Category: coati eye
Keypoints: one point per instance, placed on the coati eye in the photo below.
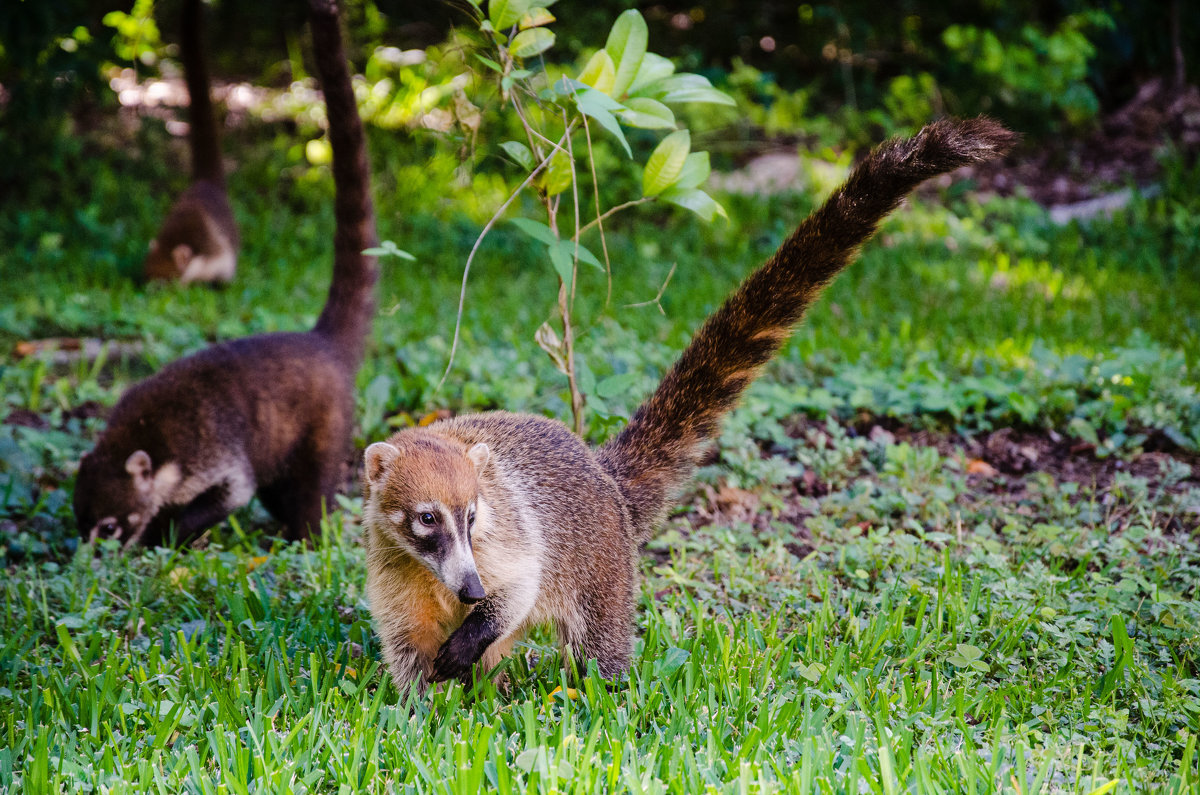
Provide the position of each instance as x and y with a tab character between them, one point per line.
108	526
428	519
470	519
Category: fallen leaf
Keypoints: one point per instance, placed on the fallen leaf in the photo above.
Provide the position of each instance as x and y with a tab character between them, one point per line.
977	466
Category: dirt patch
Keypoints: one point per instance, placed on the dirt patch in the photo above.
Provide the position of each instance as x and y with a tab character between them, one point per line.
1002	468
1126	146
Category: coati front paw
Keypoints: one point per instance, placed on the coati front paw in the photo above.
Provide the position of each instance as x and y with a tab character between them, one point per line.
455	658
464	647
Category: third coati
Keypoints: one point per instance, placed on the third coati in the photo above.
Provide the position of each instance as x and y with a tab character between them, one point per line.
484	525
198	240
270	414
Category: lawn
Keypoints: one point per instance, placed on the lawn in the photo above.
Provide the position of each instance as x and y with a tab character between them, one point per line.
948	543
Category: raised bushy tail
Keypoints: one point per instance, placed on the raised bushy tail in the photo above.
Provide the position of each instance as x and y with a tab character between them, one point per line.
346	318
653	456
203	137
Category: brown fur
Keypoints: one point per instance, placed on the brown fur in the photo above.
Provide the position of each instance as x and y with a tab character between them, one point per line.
271	414
558	525
199	239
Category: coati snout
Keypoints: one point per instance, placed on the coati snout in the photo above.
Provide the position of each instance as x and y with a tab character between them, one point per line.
132	494
431	506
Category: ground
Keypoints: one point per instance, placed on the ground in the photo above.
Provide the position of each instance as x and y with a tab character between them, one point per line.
949	542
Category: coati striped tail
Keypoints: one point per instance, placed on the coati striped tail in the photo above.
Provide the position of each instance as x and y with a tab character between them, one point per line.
654	455
347	315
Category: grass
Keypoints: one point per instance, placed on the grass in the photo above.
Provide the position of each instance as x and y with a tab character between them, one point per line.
828	611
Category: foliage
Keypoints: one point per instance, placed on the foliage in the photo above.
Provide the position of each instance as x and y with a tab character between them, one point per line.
1048	646
622	85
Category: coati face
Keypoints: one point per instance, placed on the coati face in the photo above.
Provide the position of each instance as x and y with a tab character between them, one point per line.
117	498
422	499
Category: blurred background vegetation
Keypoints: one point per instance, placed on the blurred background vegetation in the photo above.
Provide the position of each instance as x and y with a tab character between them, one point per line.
1048	68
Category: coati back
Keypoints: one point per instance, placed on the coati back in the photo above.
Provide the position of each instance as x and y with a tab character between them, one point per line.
270	414
482	526
198	240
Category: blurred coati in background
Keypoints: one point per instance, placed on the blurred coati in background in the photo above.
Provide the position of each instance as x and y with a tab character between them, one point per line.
198	241
482	526
271	414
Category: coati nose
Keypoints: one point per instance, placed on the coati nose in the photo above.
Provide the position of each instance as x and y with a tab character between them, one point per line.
472	590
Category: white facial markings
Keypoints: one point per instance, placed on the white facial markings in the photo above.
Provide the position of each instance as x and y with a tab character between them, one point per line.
459	565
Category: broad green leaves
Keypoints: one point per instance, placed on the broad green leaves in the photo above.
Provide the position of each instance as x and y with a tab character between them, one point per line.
687	88
520	153
626	46
562	253
620	86
675	175
666	163
600	106
506	13
648	114
600	72
529	43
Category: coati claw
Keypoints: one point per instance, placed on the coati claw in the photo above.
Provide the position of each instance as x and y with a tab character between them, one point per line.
454	660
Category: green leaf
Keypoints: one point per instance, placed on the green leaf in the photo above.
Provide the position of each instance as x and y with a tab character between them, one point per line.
389	249
600	72
1080	427
505	13
627	45
969	652
535	17
557	176
675	657
616	385
648	114
688	88
489	63
695	200
529	43
594	104
526	759
584	376
665	163
536	229
519	152
695	170
564	264
654	68
571	250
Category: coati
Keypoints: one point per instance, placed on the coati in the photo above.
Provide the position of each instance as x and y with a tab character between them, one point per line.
198	241
481	526
270	414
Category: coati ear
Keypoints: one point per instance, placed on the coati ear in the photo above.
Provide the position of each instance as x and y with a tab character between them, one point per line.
376	460
182	254
154	245
479	455
139	467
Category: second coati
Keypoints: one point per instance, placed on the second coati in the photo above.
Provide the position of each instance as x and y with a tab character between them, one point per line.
482	526
270	414
198	240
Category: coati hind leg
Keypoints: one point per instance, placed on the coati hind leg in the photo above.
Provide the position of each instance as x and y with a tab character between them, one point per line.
297	501
603	632
299	496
